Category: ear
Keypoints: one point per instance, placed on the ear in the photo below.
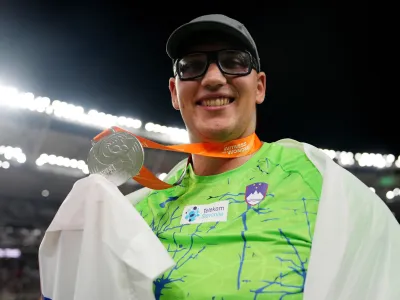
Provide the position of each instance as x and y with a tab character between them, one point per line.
172	89
261	87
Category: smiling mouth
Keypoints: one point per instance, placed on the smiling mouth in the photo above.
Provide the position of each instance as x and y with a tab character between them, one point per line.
222	101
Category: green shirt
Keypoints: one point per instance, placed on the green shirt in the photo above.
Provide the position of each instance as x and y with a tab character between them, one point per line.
243	234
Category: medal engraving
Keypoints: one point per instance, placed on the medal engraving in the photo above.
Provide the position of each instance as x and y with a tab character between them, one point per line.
117	157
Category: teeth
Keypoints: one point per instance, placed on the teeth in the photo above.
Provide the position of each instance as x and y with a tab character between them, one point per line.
215	102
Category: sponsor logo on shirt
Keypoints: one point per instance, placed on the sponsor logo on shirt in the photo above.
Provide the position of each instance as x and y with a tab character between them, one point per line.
214	212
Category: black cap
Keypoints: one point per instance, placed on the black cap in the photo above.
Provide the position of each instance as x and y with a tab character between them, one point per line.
211	23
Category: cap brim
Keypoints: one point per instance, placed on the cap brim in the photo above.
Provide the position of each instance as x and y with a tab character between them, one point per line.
185	32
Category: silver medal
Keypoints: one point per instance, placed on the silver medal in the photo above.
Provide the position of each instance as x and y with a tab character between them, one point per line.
118	157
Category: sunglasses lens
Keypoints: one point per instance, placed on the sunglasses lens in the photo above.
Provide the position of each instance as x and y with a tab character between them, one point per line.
234	62
192	65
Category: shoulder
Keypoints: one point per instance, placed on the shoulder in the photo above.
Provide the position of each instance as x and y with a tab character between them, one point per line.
292	157
356	196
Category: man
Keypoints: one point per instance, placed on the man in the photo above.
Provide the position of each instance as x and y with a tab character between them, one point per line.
238	228
281	222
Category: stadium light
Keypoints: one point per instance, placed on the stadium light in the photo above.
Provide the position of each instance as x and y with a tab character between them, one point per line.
12	98
12	153
62	162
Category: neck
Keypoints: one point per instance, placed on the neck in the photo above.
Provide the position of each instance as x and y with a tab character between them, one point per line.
206	166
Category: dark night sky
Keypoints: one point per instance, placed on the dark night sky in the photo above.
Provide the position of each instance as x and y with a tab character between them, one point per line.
322	64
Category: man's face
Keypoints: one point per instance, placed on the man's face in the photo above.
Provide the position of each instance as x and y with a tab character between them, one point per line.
199	102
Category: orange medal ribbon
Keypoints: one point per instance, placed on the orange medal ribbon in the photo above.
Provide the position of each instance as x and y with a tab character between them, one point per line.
236	148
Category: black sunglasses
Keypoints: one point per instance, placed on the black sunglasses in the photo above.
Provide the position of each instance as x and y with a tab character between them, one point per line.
229	62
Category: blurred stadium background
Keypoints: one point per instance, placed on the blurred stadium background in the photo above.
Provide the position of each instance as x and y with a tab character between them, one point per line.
43	149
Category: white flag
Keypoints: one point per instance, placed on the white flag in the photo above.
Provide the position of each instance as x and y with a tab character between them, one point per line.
99	247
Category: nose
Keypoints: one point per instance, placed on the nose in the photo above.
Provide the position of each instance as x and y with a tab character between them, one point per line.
213	79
